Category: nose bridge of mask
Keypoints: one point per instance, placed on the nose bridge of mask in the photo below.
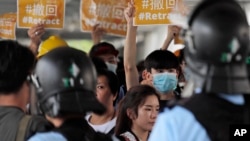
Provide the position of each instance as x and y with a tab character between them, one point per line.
164	74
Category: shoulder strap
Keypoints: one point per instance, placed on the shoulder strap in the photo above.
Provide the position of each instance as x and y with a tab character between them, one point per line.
23	125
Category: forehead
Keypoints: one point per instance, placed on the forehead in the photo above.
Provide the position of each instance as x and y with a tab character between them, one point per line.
164	70
102	80
150	100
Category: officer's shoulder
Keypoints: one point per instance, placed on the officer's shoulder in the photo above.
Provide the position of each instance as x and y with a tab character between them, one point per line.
48	136
39	124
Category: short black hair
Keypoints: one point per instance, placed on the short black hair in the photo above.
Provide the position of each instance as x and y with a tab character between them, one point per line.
161	59
99	63
16	63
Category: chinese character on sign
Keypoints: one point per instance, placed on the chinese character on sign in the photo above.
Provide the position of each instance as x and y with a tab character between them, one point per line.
145	4
170	3
38	10
156	4
1	22
29	9
103	10
92	9
118	12
8	22
51	10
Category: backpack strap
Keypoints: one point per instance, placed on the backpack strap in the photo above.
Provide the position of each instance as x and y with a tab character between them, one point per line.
23	125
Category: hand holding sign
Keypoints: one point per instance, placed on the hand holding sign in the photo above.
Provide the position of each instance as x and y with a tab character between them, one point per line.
173	31
97	33
35	33
129	13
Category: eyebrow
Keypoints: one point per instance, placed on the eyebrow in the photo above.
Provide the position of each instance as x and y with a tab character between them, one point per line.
150	106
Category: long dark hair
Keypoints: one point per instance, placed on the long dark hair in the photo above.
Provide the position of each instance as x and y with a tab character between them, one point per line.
133	99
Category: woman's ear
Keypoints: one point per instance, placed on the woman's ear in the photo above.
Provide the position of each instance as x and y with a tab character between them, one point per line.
115	96
144	74
131	114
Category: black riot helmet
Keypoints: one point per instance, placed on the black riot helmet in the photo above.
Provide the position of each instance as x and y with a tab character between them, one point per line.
217	44
65	81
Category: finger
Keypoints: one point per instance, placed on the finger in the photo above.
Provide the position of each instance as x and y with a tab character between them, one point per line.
132	2
127	14
98	29
40	33
133	12
39	28
35	28
102	30
32	29
95	27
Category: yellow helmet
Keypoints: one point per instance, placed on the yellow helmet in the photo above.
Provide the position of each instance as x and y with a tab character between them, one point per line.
49	44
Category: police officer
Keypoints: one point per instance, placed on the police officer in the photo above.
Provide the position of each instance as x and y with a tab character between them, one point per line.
65	80
217	44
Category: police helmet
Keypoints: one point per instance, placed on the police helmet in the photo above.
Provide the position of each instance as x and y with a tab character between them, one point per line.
65	81
217	44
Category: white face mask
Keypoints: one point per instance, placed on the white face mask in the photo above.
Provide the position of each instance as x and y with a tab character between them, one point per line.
111	67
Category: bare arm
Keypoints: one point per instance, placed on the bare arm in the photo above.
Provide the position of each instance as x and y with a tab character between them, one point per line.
173	31
35	33
131	72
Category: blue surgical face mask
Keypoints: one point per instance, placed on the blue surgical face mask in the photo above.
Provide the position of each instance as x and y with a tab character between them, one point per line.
111	67
165	82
